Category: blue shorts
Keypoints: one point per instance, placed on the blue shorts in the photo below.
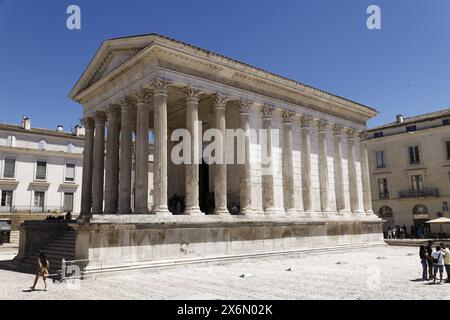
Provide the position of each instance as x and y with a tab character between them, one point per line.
438	268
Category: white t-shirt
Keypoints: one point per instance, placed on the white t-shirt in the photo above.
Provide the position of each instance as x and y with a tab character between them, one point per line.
440	256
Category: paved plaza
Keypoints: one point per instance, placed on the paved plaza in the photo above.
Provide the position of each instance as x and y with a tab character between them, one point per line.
374	273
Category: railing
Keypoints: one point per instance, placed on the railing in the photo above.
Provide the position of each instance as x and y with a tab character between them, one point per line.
32	209
428	192
75	269
383	195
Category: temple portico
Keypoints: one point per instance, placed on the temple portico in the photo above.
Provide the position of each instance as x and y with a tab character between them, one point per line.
267	163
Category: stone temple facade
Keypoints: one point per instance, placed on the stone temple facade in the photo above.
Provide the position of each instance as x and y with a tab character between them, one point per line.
317	191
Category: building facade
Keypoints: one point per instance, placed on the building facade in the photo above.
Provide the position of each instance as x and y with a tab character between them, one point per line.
40	169
409	163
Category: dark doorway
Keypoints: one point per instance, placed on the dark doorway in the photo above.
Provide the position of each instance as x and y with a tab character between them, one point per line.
203	181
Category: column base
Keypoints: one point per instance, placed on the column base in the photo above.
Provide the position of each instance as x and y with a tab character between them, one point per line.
193	211
162	211
275	211
84	219
370	212
124	211
292	212
221	211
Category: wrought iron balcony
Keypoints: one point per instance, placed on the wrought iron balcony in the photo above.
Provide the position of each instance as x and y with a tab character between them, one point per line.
428	192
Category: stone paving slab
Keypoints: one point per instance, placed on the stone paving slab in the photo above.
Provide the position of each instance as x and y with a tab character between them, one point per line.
371	273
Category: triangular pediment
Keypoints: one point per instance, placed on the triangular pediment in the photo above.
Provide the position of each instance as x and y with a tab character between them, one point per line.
110	56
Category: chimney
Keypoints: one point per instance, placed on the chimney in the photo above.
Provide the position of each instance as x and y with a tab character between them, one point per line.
399	118
78	131
60	128
26	123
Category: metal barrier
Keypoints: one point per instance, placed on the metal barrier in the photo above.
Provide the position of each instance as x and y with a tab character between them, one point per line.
76	269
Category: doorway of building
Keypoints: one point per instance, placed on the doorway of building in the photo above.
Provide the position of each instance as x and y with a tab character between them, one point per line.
205	200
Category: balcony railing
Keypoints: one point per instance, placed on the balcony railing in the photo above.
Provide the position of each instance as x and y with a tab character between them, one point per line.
428	192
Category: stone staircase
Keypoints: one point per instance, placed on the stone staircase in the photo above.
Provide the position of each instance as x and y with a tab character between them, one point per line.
60	248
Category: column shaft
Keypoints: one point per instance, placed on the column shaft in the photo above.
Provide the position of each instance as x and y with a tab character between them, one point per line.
245	195
160	158
112	161
268	197
288	167
323	166
141	182
88	162
99	163
367	199
306	165
338	171
220	168
126	153
192	169
353	182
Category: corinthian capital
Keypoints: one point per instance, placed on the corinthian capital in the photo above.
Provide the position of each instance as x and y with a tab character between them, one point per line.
288	115
88	122
219	100
244	105
267	111
159	86
350	133
192	94
143	95
128	102
100	117
305	120
363	136
113	110
322	124
338	129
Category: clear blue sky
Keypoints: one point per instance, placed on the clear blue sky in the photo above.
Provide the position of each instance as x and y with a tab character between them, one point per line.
402	68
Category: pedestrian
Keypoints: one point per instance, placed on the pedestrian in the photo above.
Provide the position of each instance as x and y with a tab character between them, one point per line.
389	233
42	270
438	262
430	260
423	254
446	252
413	232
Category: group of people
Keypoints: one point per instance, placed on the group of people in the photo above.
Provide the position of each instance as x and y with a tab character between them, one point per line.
398	232
434	261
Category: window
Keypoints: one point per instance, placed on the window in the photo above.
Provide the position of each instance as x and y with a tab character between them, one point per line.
417	182
444	206
39	197
383	190
68	201
70	172
11	141
70	148
10	168
378	134
380	159
445	122
41	170
42	145
414	157
385	212
448	150
411	128
6	200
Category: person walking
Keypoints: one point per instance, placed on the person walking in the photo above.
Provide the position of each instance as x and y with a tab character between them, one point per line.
42	270
438	262
429	259
389	233
423	254
446	252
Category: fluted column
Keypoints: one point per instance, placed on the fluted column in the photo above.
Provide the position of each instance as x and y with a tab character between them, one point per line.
112	160
288	166
268	197
88	163
352	177
220	169
323	166
306	164
126	154
99	163
192	169
160	159
367	199
245	179
141	181
338	171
